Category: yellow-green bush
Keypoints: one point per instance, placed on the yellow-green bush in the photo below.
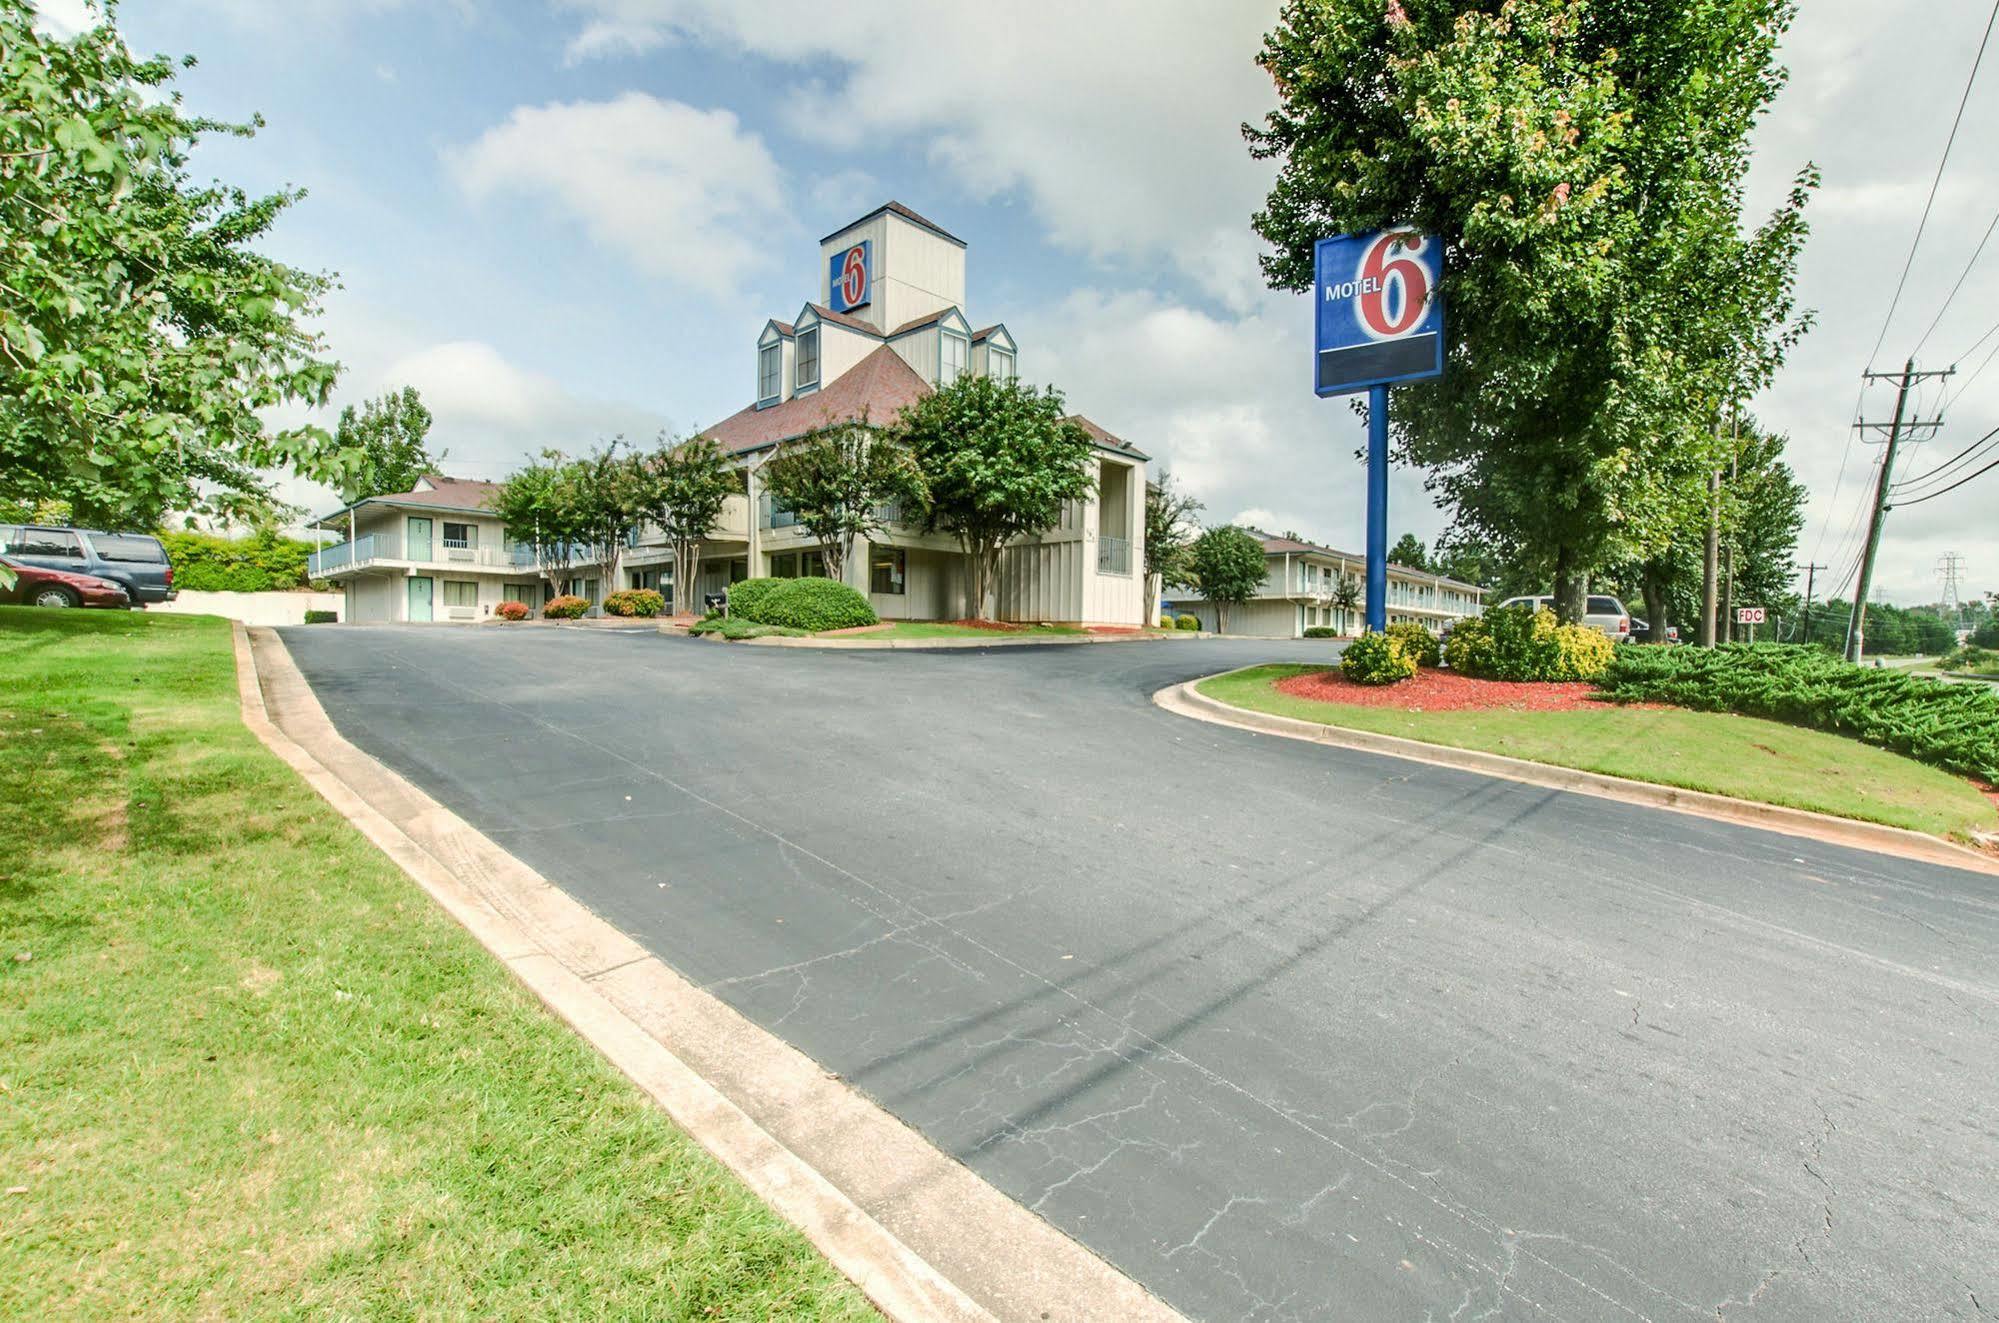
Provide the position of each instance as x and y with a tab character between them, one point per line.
1377	659
1516	643
1417	641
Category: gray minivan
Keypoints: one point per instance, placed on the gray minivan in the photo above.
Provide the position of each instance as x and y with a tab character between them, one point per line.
134	561
1599	612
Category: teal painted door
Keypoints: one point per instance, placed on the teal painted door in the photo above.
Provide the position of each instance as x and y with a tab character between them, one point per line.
419	547
420	590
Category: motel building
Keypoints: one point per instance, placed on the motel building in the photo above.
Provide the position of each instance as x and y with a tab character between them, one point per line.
889	325
1298	593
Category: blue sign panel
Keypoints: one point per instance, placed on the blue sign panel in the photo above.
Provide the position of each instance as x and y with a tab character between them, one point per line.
851	277
1379	318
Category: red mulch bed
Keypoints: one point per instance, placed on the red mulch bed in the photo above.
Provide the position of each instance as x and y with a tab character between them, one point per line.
996	626
1433	690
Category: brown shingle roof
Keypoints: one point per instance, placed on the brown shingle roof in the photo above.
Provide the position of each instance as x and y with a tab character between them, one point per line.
876	388
1107	440
906	214
845	319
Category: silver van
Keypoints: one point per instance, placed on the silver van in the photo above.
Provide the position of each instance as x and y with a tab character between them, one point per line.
1606	614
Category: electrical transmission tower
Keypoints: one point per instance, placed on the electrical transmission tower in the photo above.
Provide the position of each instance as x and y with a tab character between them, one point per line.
1950	573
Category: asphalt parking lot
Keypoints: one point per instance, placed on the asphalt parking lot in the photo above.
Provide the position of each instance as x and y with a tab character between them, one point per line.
1283	1031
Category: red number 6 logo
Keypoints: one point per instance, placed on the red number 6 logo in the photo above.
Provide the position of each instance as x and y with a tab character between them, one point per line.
854	276
1410	277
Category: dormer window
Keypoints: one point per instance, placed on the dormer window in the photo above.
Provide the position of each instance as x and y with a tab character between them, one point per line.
999	364
770	372
807	374
952	352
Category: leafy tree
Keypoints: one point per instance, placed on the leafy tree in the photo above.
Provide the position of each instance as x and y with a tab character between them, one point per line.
1229	564
388	435
1169	536
1408	550
687	487
1001	459
607	495
144	334
1581	162
840	481
537	505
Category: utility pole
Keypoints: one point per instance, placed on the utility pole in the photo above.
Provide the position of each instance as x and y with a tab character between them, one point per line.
1811	576
1856	624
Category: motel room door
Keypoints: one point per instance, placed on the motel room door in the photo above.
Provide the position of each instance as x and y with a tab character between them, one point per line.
420	592
419	539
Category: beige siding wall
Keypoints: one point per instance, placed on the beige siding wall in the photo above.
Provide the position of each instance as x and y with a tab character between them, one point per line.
919	350
922	274
841	347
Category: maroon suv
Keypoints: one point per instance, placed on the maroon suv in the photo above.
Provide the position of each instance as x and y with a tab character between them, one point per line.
35	586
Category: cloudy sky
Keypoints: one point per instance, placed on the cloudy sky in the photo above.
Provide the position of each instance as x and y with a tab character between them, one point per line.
567	219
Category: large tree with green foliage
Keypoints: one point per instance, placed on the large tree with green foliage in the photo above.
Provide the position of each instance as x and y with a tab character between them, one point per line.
1001	458
1229	564
688	485
144	334
1582	163
537	505
387	434
846	481
1408	550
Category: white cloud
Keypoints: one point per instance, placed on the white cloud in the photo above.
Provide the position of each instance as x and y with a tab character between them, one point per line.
687	195
1117	122
66	18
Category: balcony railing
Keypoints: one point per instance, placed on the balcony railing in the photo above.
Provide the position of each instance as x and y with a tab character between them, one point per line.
375	546
1114	555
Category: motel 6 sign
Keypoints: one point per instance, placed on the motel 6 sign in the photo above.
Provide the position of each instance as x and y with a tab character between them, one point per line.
1378	315
851	271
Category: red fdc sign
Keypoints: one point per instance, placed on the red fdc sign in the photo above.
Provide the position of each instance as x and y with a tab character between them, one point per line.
1748	615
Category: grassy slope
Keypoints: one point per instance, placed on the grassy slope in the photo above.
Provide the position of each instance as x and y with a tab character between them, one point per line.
1728	755
246	1067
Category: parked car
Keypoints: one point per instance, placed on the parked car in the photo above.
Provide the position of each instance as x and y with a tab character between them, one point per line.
1641	632
1599	612
35	586
135	561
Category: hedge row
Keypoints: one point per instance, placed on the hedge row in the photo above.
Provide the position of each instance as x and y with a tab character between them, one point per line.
260	563
808	604
1952	726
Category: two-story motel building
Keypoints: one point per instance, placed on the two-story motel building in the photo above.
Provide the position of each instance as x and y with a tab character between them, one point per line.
888	326
1300	590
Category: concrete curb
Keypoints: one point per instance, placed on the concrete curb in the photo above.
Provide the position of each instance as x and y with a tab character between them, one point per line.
922	1235
998	640
1184	700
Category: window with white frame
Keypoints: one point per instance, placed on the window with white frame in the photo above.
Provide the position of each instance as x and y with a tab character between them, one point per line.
461	537
770	372
461	592
807	373
951	363
999	364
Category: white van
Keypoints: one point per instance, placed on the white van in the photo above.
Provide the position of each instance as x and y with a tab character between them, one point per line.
1606	614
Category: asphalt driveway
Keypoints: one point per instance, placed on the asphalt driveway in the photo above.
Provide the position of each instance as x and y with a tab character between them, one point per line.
1283	1031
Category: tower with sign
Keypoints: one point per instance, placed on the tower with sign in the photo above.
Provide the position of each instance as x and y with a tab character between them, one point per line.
1377	321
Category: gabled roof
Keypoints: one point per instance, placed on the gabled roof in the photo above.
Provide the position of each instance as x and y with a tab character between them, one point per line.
876	388
847	320
1105	440
1277	546
785	329
929	319
903	212
987	331
459	495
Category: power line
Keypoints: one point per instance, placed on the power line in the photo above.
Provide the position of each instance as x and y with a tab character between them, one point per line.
1960	282
1972	376
1948	490
1950	463
1937	179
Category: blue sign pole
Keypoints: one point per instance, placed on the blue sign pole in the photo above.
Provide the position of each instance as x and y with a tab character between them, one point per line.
1377	509
1378	321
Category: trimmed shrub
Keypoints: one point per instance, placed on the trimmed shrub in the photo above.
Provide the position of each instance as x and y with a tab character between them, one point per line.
1515	643
634	602
512	611
1952	726
1377	659
1187	622
1419	642
1322	632
808	604
566	607
260	563
321	617
1971	659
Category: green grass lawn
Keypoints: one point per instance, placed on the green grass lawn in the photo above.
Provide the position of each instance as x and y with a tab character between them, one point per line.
939	629
247	1069
1728	755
